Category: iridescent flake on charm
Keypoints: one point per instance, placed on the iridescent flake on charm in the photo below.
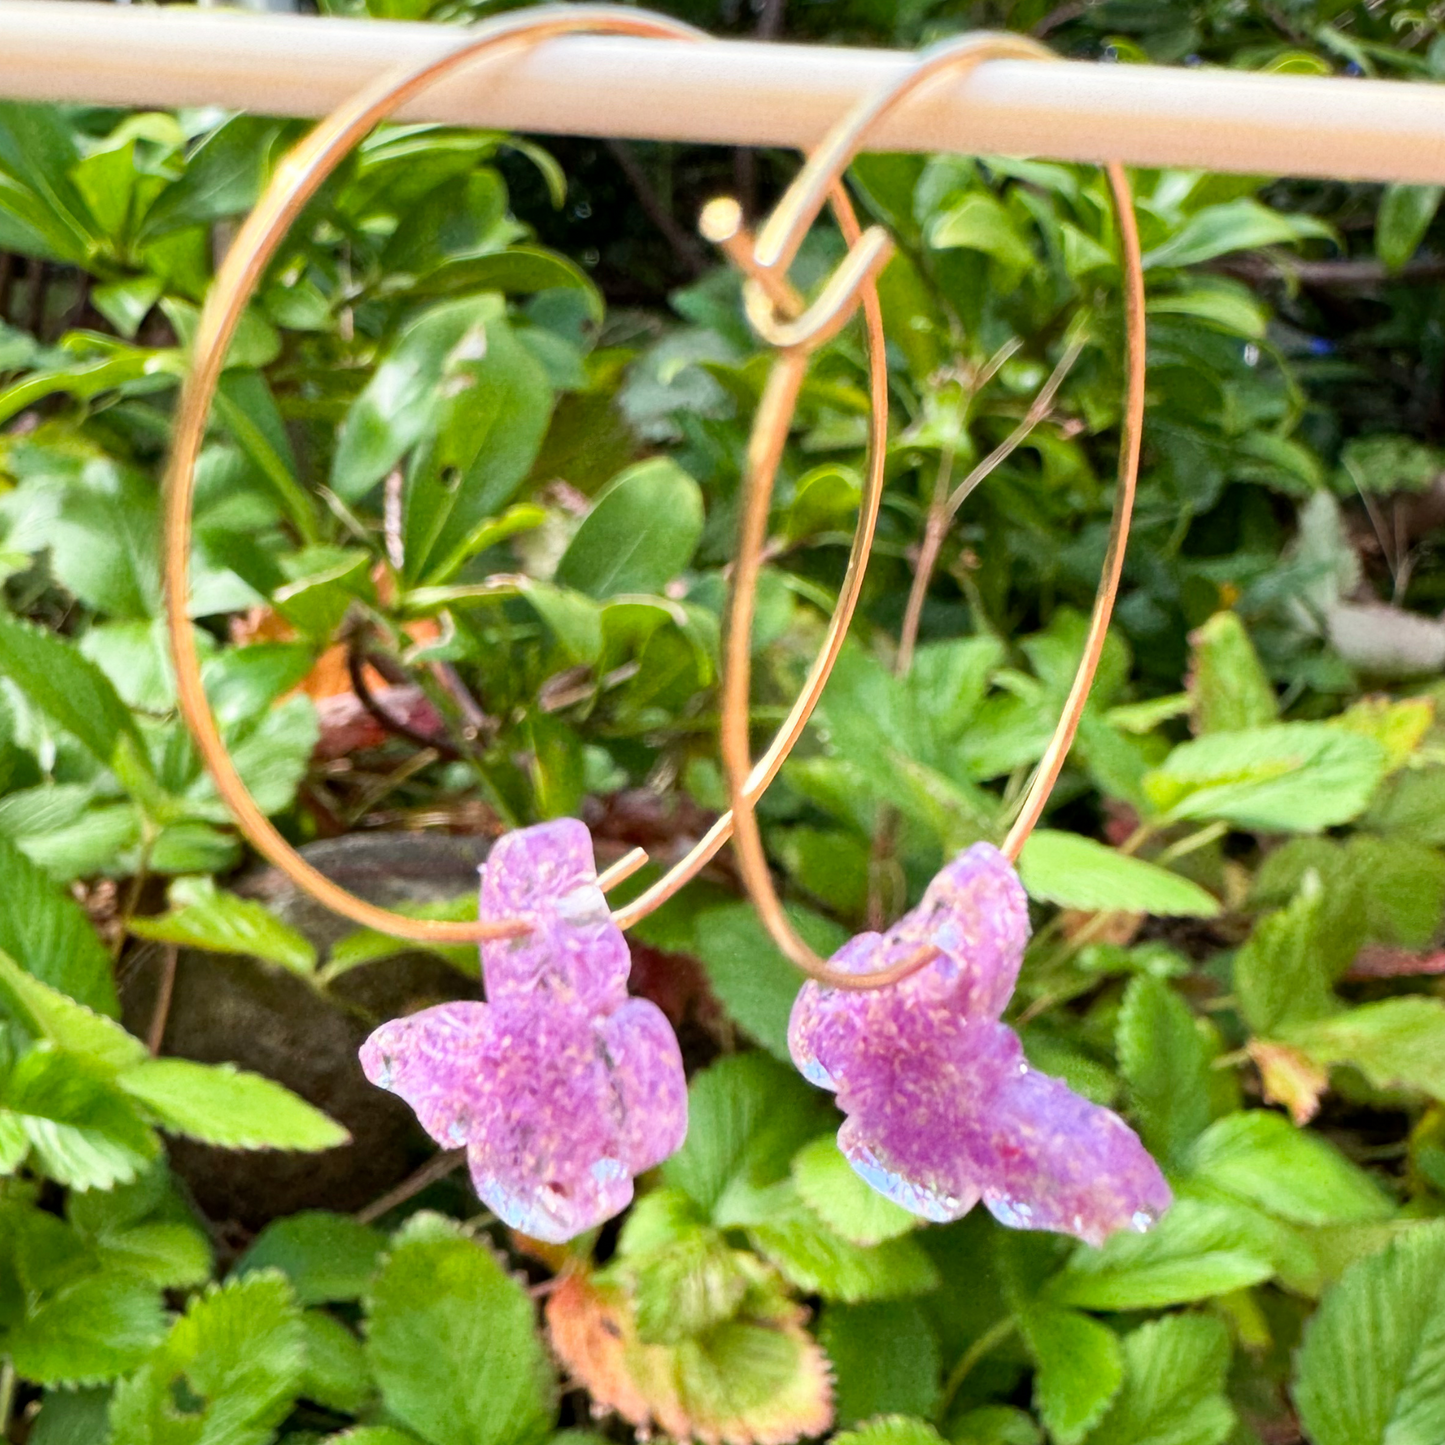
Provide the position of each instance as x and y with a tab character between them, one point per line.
560	1086
943	1109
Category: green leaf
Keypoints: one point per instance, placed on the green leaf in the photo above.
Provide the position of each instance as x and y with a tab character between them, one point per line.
92	1330
327	1257
1371	1369
686	1286
1284	972
749	974
995	1425
891	1430
1077	872
1403	218
1195	1251
1241	225
83	1134
47	932
337	1373
492	409
1079	1369
1398	1042
72	690
1174	1378
1291	777
73	1417
1261	1157
202	916
222	178
168	1256
452	1344
519	270
93	1039
239	1353
219	1104
639	535
885	1358
817	1261
1164	1059
1228	687
747	1116
829	1186
401	402
980	223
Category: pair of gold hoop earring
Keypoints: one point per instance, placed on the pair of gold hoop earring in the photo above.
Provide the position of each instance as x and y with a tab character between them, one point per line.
795	328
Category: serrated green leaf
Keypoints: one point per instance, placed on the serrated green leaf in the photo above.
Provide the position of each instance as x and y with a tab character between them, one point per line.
1079	1368
337	1374
373	1435
828	1185
1165	1061
1283	974
1261	1157
239	1349
98	1042
885	1358
747	1116
70	688
1078	872
219	1104
48	934
89	1331
1296	777
1228	687
73	1417
1398	1042
83	1134
168	1256
691	1283
995	1425
891	1430
818	1261
1371	1369
452	1344
1196	1250
756	983
327	1257
203	916
1174	1377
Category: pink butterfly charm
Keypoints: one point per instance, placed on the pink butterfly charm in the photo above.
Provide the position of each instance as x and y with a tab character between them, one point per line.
943	1109
561	1087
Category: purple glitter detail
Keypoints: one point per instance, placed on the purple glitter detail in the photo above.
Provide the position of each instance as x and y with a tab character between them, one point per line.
943	1109
561	1087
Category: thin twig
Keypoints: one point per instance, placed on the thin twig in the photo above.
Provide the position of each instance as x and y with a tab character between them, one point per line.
437	1167
356	663
162	1012
7	1396
988	1341
1042	405
689	254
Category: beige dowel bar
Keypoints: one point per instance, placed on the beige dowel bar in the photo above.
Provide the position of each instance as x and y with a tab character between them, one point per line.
731	92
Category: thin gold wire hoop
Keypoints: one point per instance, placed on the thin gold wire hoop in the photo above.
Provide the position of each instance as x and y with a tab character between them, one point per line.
297	179
777	244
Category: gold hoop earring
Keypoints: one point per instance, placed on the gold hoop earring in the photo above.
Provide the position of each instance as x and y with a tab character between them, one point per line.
775	248
297	179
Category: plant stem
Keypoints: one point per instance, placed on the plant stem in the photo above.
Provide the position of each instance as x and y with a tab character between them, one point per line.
7	1396
163	1000
435	1168
988	1341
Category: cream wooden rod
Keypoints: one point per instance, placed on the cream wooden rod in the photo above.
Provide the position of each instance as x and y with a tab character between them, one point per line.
731	92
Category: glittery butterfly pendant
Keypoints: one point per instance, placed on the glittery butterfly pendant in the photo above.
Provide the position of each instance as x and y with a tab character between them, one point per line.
560	1086
943	1109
